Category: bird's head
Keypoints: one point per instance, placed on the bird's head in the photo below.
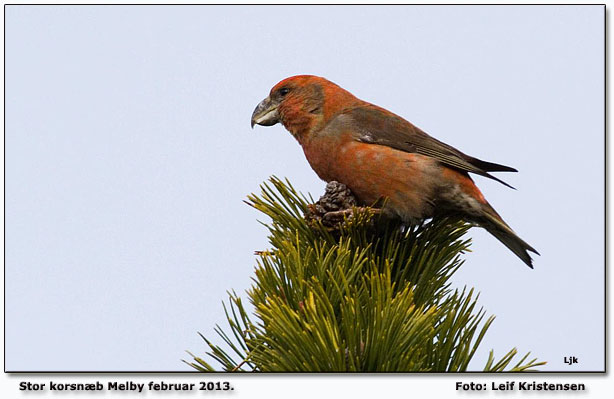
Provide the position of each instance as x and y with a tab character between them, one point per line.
302	104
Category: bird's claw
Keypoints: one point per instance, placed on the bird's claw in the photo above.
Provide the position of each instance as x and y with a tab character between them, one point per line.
337	206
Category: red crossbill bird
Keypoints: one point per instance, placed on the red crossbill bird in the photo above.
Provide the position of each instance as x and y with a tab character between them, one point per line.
383	158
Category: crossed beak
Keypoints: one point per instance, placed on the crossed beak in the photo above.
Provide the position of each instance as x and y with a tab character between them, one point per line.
266	113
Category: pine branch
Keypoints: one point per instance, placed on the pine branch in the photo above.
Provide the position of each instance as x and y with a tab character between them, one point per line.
343	288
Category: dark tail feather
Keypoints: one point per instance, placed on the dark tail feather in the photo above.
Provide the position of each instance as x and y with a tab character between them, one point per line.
486	174
486	167
490	166
506	235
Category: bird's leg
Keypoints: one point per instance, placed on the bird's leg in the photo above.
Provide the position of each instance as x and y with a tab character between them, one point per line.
337	205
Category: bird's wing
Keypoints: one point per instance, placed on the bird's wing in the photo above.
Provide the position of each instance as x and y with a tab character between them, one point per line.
371	124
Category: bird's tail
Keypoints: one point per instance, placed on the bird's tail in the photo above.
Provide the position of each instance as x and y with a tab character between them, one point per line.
495	225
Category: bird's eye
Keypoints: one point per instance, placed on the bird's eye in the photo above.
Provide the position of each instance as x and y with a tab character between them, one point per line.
283	91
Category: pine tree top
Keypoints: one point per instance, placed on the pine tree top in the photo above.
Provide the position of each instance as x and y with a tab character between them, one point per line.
345	288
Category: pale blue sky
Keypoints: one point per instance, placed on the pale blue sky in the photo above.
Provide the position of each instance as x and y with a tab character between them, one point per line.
129	152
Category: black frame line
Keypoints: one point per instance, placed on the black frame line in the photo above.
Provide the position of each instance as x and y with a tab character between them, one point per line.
374	374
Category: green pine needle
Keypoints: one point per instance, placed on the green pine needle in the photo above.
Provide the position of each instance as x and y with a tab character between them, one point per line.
374	296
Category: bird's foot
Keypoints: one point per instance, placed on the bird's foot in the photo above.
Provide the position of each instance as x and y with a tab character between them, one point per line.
336	206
